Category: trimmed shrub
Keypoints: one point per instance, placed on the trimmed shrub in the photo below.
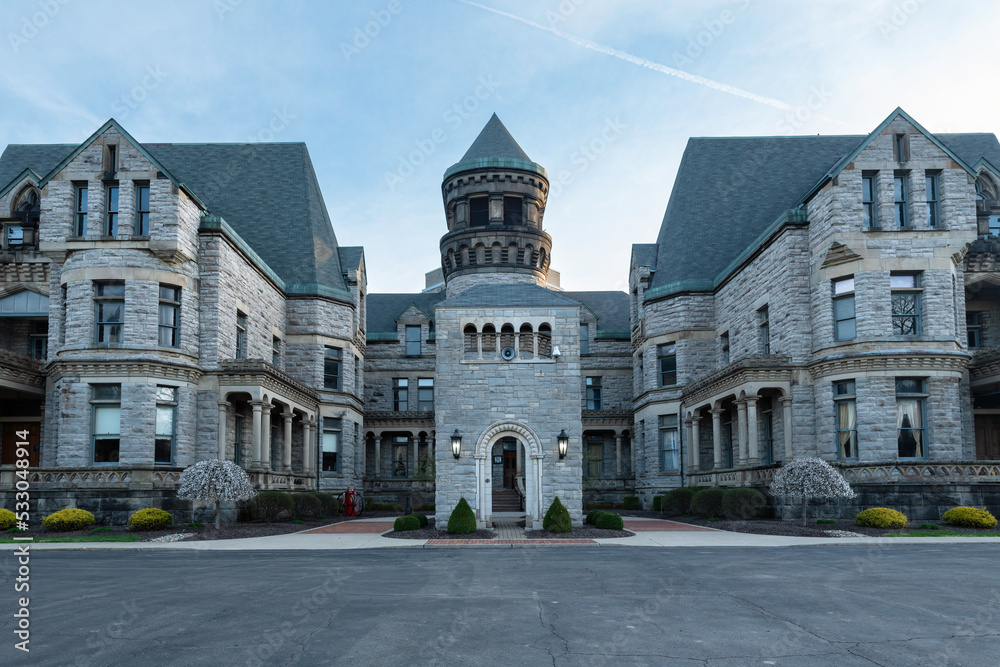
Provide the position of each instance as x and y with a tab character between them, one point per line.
708	502
68	519
609	521
421	517
881	517
307	506
7	519
742	503
150	518
970	517
557	519
408	522
657	503
678	501
271	506
630	502
328	502
592	516
462	519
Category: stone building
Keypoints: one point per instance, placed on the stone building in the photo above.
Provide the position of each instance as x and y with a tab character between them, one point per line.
832	296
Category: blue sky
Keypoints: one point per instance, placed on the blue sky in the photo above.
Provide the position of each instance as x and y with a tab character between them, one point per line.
603	94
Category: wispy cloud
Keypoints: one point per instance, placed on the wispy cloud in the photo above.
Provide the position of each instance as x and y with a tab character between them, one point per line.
628	57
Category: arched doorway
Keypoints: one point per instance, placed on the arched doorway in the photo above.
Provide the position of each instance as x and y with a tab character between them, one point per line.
532	471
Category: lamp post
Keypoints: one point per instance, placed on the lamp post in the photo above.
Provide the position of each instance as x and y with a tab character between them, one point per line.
456	443
563	440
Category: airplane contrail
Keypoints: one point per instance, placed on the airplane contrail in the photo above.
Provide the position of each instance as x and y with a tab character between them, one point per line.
628	57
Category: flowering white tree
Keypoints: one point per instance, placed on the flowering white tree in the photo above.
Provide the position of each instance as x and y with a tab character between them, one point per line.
809	478
215	480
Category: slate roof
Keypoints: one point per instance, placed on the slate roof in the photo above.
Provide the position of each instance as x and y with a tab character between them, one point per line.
728	190
268	194
383	309
505	295
350	257
645	254
494	141
610	308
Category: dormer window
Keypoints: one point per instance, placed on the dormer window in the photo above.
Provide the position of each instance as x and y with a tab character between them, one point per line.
479	211
901	148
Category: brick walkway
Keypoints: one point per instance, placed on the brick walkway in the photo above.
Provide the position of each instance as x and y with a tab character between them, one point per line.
353	527
506	528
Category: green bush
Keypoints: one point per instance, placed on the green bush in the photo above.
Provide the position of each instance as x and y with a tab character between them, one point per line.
329	503
7	519
462	519
609	521
557	519
708	502
657	503
271	506
742	503
970	517
592	516
421	517
68	519
299	521
930	526
678	501
102	529
408	522
150	518
881	517
630	502
307	506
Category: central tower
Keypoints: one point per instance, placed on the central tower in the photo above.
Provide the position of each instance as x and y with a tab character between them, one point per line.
494	201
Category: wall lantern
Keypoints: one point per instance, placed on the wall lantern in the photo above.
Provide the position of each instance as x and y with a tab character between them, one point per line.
563	441
456	443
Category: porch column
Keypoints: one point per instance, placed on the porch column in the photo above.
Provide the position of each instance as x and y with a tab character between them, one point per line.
753	448
717	436
694	445
265	436
378	455
256	428
741	415
416	452
786	416
618	453
308	458
286	462
223	414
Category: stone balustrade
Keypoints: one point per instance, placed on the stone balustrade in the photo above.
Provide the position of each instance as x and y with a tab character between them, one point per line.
866	472
139	478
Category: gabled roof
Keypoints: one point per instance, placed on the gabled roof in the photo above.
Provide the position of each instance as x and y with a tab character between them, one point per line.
494	147
38	158
350	257
504	295
384	309
645	254
610	308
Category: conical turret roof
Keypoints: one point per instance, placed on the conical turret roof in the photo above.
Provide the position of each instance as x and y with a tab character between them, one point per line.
494	147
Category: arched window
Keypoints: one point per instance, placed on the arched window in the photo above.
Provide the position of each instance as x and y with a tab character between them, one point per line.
24	233
526	342
489	342
544	341
471	342
506	336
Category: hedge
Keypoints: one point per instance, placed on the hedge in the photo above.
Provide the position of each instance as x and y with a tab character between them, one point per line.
609	521
307	506
630	502
462	519
708	502
678	501
970	517
742	503
68	519
557	518
329	503
150	518
7	519
421	517
271	506
881	517
657	503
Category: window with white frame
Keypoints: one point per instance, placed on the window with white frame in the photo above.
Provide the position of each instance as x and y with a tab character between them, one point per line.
869	197
413	341
425	394
111	210
911	403
669	444
400	395
142	209
109	306
933	198
332	429
905	303
900	189
166	420
844	399
331	368
667	356
844	316
170	316
80	209
106	408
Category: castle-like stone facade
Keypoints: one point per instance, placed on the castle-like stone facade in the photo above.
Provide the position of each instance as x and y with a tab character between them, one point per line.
836	296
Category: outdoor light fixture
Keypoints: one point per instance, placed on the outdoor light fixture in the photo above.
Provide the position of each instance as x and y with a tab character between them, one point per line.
563	441
456	443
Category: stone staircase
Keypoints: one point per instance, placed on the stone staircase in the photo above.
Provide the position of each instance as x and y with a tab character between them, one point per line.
506	500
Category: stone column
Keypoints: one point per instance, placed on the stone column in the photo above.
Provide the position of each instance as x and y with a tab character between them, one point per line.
618	453
741	415
265	436
223	413
786	409
520	459
753	447
257	407
694	445
479	344
717	436
308	440
416	452
378	455
286	451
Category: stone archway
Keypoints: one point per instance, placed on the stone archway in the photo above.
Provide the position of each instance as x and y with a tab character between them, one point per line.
532	471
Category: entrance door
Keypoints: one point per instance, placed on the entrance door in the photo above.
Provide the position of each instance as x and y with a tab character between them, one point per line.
509	468
8	449
988	437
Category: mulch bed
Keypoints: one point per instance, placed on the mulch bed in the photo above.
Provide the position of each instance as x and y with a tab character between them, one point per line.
583	533
811	529
429	532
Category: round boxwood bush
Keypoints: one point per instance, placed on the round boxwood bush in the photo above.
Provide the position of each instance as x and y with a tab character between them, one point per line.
68	519
307	506
592	516
150	518
557	519
609	521
462	519
328	503
271	506
678	501
970	517
422	518
408	522
7	519
881	517
708	502
742	503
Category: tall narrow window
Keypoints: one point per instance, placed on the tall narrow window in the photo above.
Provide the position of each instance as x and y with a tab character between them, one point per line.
479	211
142	209
667	356
910	404
901	148
80	212
584	339
110	316
400	395
331	444
106	405
900	196
869	197
724	343
111	210
905	304
669	444
38	339
425	393
275	351
844	316
111	155
933	199
594	393
241	335
512	211
764	330
413	341
331	368
974	327
166	418
170	316
847	419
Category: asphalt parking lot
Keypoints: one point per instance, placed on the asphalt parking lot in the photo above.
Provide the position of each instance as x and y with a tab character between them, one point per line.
797	606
